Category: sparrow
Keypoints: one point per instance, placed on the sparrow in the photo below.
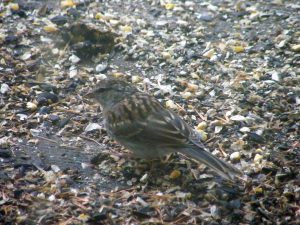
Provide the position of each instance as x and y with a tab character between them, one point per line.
141	124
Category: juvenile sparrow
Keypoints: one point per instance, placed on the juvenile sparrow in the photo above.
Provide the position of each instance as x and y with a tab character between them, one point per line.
141	124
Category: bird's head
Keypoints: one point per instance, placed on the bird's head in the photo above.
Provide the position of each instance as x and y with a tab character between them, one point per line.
111	91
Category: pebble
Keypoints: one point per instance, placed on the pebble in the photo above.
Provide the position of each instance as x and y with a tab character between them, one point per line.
4	88
209	54
238	49
258	190
51	198
186	94
192	87
238	145
55	168
118	74
195	76
144	178
235	156
44	110
175	174
245	129
295	48
215	211
171	105
101	67
26	56
59	20
207	17
67	3
166	55
14	6
203	135
282	43
238	118
50	28
126	29
257	158
218	129
85	165
275	76
211	113
254	137
54	118
92	126
32	106
202	125
136	79
46	98
259	151
74	59
4	153
4	142
170	6
22	117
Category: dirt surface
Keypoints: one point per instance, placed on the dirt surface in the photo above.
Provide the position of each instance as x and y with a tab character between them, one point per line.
229	68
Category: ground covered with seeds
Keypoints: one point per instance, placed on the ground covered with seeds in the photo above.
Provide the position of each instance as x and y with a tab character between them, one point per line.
229	68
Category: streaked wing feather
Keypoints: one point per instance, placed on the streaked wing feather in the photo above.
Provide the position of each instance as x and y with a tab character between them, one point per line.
152	123
168	132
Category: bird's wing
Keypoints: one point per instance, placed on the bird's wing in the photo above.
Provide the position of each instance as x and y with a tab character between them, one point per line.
151	124
167	129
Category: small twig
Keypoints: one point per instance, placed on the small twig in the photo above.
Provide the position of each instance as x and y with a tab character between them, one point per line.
31	115
264	211
41	219
180	107
12	116
160	215
68	146
201	116
68	221
13	152
64	50
68	111
76	203
222	151
90	139
114	192
59	145
180	219
47	139
210	139
226	120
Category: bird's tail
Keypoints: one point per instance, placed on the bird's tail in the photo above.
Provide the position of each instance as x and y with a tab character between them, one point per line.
221	167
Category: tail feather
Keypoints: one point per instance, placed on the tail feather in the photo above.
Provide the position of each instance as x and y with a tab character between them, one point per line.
221	167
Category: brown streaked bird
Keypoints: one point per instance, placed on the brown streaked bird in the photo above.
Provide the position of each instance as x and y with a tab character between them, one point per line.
141	124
